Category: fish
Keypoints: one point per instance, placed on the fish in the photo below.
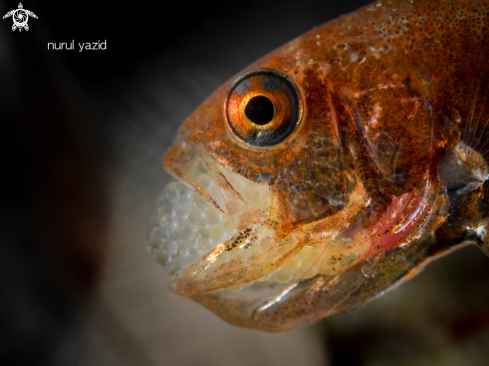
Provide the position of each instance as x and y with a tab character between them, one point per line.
333	169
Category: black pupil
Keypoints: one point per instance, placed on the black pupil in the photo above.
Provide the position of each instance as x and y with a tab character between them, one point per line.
259	110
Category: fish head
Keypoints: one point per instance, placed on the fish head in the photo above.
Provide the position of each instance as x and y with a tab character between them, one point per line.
261	185
268	223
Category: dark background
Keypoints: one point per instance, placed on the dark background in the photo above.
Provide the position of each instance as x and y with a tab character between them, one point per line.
80	130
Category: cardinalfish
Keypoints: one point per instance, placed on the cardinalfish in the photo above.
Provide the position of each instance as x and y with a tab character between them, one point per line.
334	168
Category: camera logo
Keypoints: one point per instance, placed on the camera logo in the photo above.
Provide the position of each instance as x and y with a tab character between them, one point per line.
20	17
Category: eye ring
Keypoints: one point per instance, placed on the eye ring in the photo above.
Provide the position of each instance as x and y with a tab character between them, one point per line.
262	108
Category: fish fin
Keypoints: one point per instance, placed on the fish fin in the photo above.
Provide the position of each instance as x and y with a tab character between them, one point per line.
476	125
463	169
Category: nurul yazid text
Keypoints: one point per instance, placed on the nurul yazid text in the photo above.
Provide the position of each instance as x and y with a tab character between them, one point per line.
81	46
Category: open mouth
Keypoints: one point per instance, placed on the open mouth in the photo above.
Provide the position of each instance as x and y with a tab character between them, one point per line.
185	227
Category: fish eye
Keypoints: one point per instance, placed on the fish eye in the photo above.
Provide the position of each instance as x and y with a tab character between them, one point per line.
262	108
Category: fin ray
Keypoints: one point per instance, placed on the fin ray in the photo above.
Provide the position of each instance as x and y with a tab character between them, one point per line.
476	132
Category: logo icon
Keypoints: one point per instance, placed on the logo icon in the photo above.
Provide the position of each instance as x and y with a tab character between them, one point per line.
20	17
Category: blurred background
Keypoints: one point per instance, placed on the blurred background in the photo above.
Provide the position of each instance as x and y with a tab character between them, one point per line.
83	134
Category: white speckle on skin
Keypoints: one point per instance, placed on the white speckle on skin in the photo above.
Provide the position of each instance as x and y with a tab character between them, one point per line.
353	57
379	4
318	43
317	35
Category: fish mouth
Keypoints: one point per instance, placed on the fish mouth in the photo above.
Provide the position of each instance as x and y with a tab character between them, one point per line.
211	223
214	232
185	228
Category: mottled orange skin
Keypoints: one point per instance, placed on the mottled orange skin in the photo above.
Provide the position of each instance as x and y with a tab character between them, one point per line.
388	91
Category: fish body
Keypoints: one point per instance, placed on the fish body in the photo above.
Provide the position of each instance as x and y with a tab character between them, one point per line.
334	168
